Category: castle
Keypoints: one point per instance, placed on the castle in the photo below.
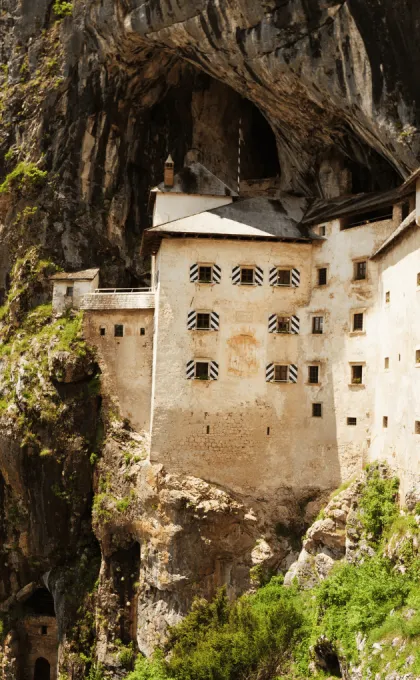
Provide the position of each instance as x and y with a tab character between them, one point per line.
279	342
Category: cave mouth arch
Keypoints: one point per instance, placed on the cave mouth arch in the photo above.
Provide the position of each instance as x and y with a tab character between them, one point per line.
40	603
42	669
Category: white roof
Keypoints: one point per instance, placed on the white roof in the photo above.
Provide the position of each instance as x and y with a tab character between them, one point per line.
209	223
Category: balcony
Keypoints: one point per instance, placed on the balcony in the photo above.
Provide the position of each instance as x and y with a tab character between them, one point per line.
103	299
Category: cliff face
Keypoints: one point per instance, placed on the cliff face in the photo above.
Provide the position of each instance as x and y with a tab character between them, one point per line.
92	99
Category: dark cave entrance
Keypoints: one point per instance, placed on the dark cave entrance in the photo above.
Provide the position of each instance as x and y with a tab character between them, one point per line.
124	569
40	603
42	669
327	659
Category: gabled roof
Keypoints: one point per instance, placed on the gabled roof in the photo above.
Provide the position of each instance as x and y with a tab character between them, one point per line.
85	275
197	180
253	218
409	222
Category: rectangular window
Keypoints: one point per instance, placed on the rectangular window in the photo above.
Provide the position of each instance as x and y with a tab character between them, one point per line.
283	277
313	375
102	330
202	370
322	230
387	296
247	275
317	325
142	331
118	330
417	427
352	421
385	421
283	324
358	321
405	210
322	276
203	321
281	373
357	375
316	410
417	356
205	274
44	630
69	291
360	270
386	363
418	279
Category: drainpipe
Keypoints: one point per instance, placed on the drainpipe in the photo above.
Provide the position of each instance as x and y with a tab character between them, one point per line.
153	282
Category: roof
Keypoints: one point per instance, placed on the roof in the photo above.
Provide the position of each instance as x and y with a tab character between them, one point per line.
85	275
253	218
196	179
409	222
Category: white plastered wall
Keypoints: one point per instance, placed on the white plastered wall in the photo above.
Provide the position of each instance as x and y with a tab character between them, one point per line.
169	207
61	301
238	408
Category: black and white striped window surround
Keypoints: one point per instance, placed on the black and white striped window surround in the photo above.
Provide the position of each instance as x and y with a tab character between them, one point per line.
276	280
243	275
281	373
205	273
202	370
204	321
283	324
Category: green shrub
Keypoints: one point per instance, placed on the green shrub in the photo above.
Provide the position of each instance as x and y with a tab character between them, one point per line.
24	176
378	506
62	8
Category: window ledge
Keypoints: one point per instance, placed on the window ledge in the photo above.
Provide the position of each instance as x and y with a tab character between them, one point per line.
352	333
356	386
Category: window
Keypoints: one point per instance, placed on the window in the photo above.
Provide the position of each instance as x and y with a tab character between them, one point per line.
205	274
283	324
118	330
268	431
322	230
360	270
69	291
283	277
418	279
203	321
418	356
417	427
313	375
366	217
358	321
142	331
316	410
247	275
208	429
281	373
387	297
44	630
357	375
322	276
405	210
102	330
317	325
386	363
202	370
352	421
385	421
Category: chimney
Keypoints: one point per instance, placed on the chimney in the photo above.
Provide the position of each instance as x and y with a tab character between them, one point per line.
168	177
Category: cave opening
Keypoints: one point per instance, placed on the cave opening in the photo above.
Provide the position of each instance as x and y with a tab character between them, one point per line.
124	569
42	669
327	658
40	603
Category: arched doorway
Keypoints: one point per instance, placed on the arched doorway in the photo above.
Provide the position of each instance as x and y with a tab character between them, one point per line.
42	669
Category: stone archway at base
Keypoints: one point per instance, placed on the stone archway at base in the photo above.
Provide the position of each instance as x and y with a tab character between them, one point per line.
42	669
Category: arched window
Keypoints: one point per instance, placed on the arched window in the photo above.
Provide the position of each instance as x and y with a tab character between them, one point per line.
42	669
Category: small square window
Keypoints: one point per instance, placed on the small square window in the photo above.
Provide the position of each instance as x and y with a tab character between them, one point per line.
247	275
386	363
417	427
317	325
118	330
283	277
203	321
317	410
142	331
202	370
385	421
281	373
387	296
205	274
322	276
313	375
69	291
102	330
360	270
357	375
358	321
322	230
44	630
352	421
283	324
